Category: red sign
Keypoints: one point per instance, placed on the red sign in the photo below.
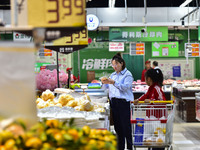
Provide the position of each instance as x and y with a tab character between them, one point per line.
43	68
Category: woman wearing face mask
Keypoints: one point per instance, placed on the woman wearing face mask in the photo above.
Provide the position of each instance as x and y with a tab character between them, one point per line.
120	94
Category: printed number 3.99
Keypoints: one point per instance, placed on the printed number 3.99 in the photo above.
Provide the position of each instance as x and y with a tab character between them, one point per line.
67	5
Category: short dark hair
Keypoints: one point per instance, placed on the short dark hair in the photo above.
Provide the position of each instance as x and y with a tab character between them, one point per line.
118	58
155	63
156	76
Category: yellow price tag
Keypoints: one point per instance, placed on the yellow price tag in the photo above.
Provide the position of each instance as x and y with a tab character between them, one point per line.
77	38
51	13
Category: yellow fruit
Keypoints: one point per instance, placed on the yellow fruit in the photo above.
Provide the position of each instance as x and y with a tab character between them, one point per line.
93	131
73	133
112	137
100	144
84	140
10	144
164	131
86	129
107	138
52	123
156	132
46	145
105	132
114	143
58	137
98	132
158	128
52	131
33	142
92	142
60	148
2	147
6	135
159	141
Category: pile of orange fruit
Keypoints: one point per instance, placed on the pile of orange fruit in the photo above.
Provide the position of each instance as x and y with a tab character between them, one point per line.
56	135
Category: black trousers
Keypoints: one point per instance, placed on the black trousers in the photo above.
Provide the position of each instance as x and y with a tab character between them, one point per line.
122	124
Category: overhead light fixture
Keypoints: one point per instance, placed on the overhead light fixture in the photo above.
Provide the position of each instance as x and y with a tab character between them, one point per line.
185	3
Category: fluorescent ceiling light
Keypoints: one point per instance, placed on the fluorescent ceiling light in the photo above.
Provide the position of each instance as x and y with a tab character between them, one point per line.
185	3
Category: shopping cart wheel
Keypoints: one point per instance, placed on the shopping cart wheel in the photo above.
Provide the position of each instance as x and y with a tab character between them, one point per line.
170	147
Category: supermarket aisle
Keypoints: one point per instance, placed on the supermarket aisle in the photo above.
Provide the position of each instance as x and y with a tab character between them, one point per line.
186	136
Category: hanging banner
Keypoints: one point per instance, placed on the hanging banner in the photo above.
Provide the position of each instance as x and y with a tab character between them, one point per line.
70	43
48	13
138	34
192	49
165	49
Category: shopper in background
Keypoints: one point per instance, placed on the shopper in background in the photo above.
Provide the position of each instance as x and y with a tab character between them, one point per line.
155	65
154	79
73	78
147	67
120	95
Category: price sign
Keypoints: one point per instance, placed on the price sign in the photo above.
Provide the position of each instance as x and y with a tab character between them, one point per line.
77	38
192	49
50	13
70	43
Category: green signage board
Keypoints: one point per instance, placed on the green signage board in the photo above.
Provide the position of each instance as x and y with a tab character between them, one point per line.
97	60
38	65
138	34
199	33
165	49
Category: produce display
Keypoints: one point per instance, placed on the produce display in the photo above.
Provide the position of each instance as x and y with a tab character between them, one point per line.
66	100
55	135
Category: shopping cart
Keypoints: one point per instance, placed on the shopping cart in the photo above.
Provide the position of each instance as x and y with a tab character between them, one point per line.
152	124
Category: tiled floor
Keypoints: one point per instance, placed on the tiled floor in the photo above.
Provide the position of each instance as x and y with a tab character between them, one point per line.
186	136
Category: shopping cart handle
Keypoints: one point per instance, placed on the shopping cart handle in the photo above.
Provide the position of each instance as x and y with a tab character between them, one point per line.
160	101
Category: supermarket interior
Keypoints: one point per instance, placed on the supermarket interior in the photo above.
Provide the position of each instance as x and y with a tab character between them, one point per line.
74	71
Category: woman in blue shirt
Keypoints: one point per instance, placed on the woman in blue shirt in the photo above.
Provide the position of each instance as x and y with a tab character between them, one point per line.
120	94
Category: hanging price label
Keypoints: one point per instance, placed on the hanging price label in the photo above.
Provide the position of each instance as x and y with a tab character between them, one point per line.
51	13
77	38
69	43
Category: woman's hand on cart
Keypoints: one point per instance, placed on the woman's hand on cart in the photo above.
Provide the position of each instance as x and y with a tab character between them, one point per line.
147	101
136	101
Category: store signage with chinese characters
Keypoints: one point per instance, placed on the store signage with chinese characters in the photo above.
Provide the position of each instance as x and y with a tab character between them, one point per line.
69	43
49	13
116	46
18	37
96	64
165	49
137	48
135	34
192	49
92	22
